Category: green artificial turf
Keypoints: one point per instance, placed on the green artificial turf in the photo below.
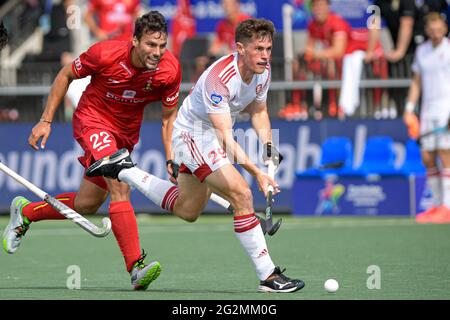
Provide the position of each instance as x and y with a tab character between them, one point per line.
204	260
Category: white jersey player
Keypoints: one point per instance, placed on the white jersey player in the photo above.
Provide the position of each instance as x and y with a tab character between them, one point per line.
203	144
220	90
431	69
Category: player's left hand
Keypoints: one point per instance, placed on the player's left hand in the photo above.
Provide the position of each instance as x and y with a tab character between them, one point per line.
264	181
172	168
271	153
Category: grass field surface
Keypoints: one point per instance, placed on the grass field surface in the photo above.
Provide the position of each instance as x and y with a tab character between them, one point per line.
204	260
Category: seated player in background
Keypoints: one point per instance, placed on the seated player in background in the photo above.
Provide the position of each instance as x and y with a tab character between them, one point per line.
330	39
204	146
431	81
125	77
112	19
223	41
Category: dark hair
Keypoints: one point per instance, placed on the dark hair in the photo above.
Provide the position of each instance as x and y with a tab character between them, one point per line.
3	36
434	16
258	28
152	21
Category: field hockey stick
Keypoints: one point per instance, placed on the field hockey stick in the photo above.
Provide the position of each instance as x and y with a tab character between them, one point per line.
332	165
270	227
432	132
61	207
227	205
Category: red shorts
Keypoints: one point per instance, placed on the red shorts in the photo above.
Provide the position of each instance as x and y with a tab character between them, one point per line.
98	143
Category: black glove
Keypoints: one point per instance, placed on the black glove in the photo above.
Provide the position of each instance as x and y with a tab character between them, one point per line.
271	153
175	168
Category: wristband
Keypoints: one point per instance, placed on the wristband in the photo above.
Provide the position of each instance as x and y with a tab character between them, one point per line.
169	162
409	107
43	120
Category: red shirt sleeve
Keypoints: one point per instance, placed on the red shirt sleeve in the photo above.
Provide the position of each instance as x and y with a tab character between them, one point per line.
88	62
171	92
339	25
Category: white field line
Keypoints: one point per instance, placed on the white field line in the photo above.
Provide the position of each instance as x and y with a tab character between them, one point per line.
222	227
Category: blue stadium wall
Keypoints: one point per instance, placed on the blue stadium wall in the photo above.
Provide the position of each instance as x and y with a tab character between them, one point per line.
57	170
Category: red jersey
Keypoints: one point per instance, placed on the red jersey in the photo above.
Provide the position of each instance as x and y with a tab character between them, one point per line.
225	30
356	39
116	17
118	93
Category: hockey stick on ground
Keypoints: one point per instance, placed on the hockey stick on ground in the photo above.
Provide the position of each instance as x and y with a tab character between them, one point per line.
61	207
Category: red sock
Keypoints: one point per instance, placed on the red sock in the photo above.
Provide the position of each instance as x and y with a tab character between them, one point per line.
125	230
37	211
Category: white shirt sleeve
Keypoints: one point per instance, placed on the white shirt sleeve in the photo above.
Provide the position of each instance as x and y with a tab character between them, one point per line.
216	95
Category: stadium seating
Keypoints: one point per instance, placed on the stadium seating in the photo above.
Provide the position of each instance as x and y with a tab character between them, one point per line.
413	162
334	150
379	157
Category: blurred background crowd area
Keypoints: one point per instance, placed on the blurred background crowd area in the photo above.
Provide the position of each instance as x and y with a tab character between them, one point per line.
310	81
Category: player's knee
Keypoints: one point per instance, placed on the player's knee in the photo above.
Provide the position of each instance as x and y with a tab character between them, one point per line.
189	216
87	209
241	197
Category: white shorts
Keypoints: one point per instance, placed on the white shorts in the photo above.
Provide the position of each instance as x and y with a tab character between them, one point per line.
439	141
199	154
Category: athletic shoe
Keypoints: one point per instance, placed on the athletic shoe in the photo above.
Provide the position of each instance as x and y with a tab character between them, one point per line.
278	282
110	166
423	217
17	227
142	275
442	215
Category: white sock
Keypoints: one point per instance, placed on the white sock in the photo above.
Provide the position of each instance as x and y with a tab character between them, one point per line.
446	187
249	233
435	184
161	192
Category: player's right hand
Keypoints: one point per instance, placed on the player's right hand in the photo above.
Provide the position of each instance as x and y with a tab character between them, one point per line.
412	123
40	131
264	181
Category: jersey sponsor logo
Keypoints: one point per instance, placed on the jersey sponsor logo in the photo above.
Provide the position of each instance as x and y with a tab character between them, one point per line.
172	98
78	64
258	88
122	99
129	94
216	98
123	65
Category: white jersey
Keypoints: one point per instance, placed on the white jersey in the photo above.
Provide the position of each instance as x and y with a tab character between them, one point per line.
220	89
433	66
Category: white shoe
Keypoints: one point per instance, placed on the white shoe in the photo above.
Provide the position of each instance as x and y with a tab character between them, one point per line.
17	227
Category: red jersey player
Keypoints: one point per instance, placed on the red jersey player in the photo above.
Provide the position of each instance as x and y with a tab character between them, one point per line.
223	42
114	18
126	76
